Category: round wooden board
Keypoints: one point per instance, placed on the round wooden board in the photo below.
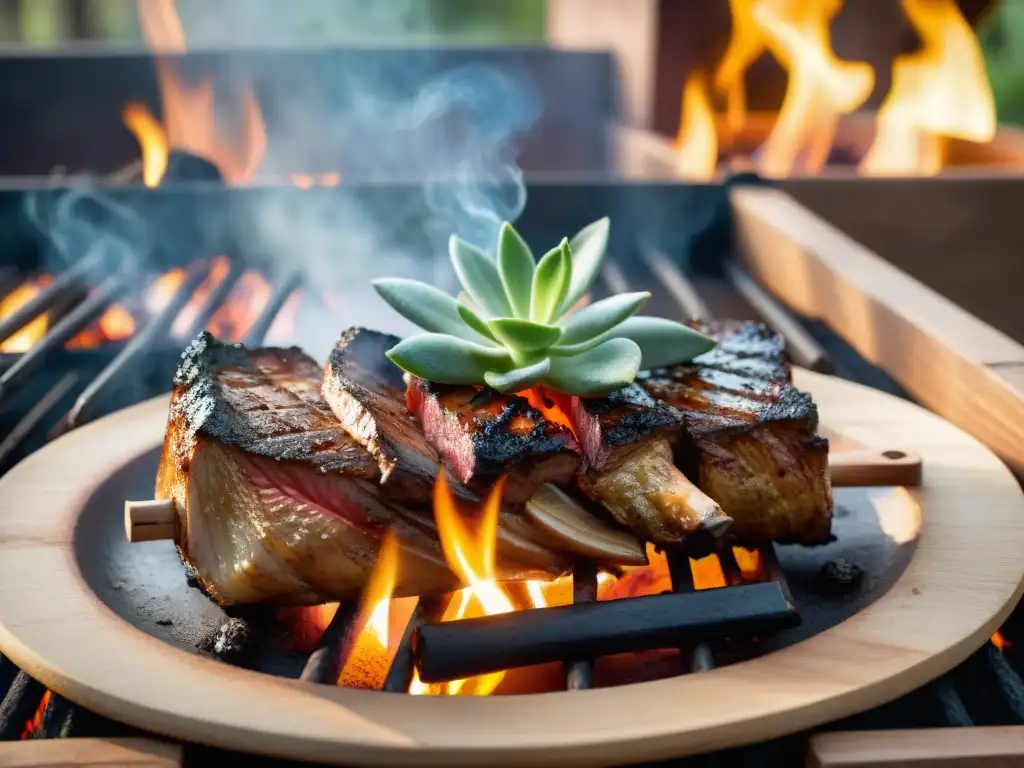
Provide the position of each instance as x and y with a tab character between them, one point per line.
964	578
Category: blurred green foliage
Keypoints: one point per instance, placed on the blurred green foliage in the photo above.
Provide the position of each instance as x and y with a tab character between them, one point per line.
1002	40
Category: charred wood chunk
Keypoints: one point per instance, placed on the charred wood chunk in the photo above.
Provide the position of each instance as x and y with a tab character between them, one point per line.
482	434
840	575
366	393
233	641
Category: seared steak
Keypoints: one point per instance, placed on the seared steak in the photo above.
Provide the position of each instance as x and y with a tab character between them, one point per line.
751	438
276	503
482	434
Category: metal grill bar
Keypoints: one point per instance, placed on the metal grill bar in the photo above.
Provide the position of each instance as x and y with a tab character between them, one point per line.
78	274
217	298
138	344
326	662
950	703
806	352
109	290
283	289
702	657
676	283
579	673
36	414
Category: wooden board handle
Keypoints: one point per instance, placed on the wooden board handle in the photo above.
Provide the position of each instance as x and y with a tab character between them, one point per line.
874	468
153	520
95	753
978	747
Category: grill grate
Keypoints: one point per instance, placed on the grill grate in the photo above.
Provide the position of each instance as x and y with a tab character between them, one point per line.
951	700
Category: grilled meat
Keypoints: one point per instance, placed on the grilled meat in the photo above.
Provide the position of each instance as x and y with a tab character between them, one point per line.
276	502
627	438
751	438
366	393
482	434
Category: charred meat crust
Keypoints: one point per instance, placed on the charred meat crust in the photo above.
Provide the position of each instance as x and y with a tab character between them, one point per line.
263	401
366	393
610	427
745	349
483	434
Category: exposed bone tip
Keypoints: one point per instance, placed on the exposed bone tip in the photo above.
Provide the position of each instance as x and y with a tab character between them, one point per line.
717	526
151	520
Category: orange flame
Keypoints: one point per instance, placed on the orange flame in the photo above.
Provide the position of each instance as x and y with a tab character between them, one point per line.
697	140
24	339
471	556
183	323
821	87
37	719
242	307
1000	642
746	44
942	91
554	406
162	290
190	115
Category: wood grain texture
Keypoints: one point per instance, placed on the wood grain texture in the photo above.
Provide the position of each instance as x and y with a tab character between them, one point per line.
958	366
979	747
967	519
90	753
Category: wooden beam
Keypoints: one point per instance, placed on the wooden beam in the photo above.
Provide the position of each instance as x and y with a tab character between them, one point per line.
981	747
93	753
952	362
628	28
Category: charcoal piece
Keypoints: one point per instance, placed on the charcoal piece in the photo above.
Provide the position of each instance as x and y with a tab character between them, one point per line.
19	706
232	641
841	575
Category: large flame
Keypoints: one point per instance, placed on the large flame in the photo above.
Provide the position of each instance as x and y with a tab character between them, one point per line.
697	140
821	87
940	92
190	115
25	338
746	44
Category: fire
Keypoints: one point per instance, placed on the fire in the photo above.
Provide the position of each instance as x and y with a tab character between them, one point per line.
163	289
242	308
745	47
190	115
942	91
183	323
37	719
821	87
697	140
1000	642
470	554
24	339
554	406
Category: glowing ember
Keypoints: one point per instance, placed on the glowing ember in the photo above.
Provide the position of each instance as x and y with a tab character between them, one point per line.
470	553
1000	642
697	140
821	87
190	110
162	290
749	561
242	307
24	339
37	719
554	406
942	91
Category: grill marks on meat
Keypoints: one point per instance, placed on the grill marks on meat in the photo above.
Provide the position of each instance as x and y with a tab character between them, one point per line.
751	436
482	434
366	393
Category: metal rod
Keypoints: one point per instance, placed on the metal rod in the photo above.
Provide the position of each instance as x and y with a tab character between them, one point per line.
109	290
217	297
139	343
454	650
682	290
76	274
283	290
19	706
35	415
773	568
805	350
702	657
429	609
579	673
730	568
952	706
326	662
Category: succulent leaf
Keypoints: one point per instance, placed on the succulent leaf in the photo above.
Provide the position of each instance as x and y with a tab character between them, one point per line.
426	306
479	276
588	248
602	316
516	266
448	360
519	379
550	283
605	368
663	342
524	335
474	321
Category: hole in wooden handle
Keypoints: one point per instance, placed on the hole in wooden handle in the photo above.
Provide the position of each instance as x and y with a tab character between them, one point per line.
152	520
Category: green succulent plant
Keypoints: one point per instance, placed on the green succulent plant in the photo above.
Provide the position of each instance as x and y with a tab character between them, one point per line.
519	323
